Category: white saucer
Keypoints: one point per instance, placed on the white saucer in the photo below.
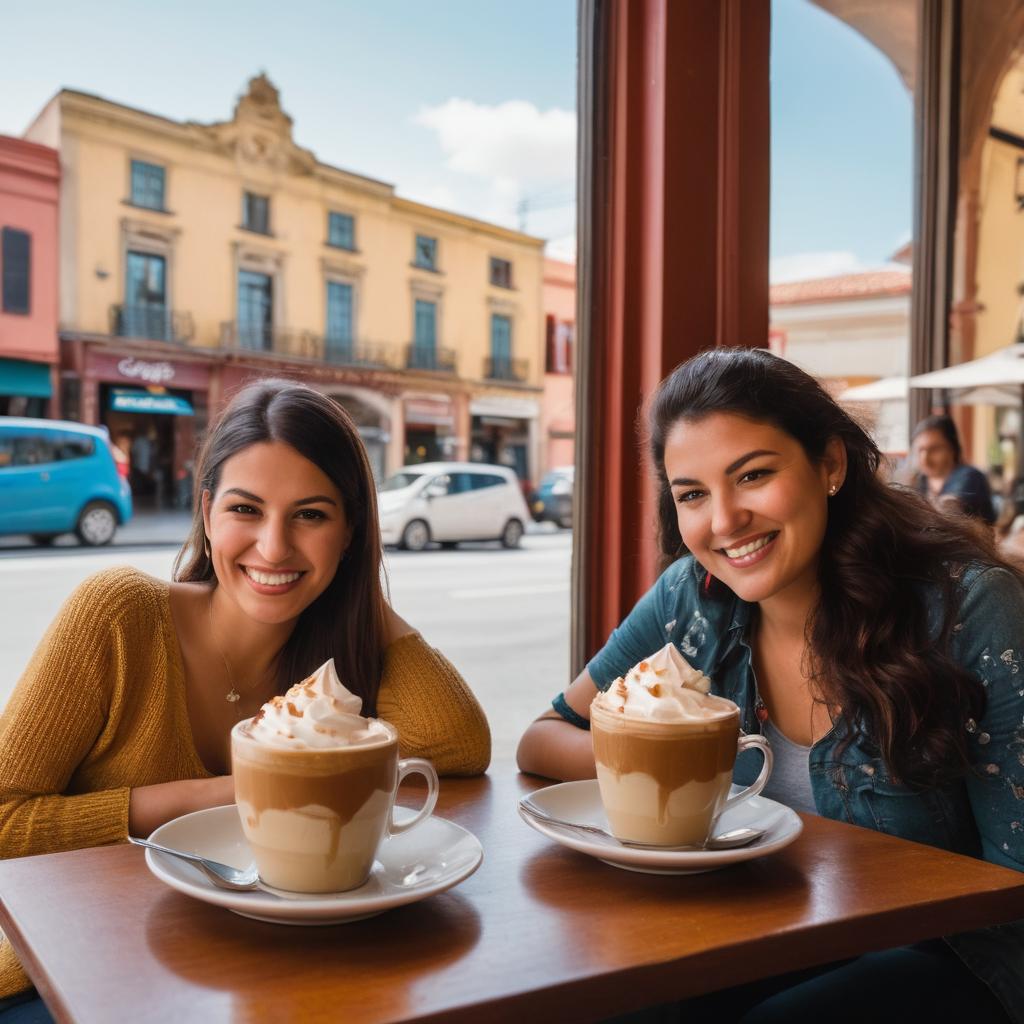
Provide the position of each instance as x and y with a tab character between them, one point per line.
581	802
436	855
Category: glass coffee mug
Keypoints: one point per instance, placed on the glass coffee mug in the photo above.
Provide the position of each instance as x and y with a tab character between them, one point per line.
314	818
667	783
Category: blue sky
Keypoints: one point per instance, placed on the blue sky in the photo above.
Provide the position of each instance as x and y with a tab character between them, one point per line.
842	146
469	104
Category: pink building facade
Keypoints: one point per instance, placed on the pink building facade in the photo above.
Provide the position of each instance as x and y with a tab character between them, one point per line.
558	412
29	354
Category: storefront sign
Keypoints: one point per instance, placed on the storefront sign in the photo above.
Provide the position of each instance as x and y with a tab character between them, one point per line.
187	374
436	412
139	369
142	401
512	408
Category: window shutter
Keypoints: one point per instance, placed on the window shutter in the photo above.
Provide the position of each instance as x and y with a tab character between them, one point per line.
16	260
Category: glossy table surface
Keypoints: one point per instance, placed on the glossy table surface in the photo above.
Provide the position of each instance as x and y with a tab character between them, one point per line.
539	932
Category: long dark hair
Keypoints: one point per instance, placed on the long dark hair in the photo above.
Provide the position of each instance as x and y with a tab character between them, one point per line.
347	621
868	651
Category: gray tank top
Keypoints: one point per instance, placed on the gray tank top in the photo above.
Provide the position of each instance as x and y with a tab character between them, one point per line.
790	783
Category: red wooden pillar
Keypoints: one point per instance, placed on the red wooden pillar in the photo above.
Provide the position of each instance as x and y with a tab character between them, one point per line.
672	257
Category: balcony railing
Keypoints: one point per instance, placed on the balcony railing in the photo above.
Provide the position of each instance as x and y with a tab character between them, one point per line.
155	323
516	370
281	341
340	352
422	357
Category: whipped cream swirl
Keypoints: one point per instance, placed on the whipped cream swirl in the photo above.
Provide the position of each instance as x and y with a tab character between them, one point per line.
318	713
664	688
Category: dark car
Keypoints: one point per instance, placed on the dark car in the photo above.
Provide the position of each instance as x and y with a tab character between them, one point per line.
553	500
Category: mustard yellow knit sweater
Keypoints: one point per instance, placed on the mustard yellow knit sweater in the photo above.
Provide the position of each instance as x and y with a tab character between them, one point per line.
101	709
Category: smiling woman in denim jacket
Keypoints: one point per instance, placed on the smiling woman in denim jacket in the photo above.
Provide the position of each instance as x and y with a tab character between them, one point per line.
878	643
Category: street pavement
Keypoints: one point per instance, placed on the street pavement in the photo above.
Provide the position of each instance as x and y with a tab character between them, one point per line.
144	529
502	617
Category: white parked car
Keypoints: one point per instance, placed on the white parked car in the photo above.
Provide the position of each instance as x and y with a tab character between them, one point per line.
450	502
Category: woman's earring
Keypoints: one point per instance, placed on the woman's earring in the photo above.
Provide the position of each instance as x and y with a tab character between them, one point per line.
832	490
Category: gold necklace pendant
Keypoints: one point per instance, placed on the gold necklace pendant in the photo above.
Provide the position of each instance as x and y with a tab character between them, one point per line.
232	696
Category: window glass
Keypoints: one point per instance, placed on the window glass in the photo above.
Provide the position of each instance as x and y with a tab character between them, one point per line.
6	451
399	481
256	213
73	446
461	483
501	348
255	310
426	252
501	272
482	480
339	312
16	254
426	324
341	230
145	313
147	185
33	450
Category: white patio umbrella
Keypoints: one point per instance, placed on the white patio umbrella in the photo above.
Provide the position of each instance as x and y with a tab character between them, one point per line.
886	389
995	379
1000	373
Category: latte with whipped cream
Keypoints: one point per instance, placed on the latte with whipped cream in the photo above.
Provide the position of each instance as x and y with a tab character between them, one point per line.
315	785
665	748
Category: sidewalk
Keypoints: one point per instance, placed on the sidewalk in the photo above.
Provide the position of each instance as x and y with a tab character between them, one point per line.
144	529
148	528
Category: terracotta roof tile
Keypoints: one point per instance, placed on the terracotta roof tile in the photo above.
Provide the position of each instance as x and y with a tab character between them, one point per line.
844	286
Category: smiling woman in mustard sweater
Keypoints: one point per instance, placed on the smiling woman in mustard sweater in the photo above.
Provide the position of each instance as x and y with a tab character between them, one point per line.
121	721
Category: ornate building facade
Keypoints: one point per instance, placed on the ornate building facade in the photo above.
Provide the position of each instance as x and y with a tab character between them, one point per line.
196	256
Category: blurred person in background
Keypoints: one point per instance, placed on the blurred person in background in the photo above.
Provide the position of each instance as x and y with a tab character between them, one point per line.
948	482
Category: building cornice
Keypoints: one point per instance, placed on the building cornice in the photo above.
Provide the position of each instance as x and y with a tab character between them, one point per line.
29	158
421	210
218	138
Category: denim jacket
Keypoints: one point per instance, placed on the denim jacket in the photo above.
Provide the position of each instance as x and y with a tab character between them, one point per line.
981	815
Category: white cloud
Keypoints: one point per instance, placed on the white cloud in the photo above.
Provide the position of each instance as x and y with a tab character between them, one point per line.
511	142
563	248
516	162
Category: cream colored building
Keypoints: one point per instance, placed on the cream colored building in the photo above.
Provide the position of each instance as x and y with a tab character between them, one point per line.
846	330
194	256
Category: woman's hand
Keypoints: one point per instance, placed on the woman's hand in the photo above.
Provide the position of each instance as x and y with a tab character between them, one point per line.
149	807
555	748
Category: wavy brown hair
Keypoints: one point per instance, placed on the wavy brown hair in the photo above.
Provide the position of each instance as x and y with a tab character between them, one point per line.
347	621
868	647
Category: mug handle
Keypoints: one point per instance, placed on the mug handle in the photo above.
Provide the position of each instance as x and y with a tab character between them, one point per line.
415	766
748	741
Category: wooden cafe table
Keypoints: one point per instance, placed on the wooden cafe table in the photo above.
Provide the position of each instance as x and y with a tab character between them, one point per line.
539	933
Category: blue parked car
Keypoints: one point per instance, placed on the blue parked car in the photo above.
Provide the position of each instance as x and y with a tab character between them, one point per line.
57	476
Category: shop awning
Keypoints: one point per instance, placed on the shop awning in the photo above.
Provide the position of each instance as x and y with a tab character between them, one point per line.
144	401
20	377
